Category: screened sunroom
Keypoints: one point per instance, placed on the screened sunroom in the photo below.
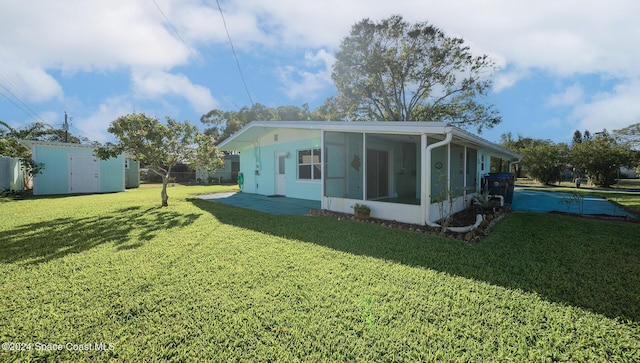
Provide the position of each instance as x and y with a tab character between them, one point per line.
386	171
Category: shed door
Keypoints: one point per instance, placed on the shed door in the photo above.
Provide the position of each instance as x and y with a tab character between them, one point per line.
83	174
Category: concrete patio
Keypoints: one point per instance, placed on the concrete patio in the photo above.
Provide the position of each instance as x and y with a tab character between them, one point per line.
268	204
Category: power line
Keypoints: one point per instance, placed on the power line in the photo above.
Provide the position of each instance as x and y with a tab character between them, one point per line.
175	30
16	87
233	49
24	108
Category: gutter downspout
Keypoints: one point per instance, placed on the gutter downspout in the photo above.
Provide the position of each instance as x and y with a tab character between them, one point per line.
514	163
428	222
427	181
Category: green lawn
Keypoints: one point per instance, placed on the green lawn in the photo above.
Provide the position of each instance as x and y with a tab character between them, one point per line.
205	281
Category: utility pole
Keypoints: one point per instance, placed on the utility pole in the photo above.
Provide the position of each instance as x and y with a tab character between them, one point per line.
65	127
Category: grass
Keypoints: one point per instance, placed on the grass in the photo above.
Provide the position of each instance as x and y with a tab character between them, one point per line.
205	281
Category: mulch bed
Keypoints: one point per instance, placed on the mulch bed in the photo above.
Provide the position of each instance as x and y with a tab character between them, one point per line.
460	219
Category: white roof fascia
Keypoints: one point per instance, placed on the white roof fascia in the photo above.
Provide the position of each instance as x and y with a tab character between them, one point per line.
30	143
476	140
387	127
396	127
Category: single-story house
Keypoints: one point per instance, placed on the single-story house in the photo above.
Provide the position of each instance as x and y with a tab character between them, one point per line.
74	169
397	169
628	173
229	172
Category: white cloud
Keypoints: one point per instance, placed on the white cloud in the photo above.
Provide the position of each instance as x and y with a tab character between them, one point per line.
44	45
572	96
562	37
305	84
153	85
611	110
567	37
85	35
505	79
95	125
202	23
28	84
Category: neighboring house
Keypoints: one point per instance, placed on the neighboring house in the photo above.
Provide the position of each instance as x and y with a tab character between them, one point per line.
11	174
398	169
74	169
228	173
628	173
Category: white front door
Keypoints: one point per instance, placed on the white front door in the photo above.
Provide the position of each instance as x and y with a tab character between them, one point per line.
83	174
280	173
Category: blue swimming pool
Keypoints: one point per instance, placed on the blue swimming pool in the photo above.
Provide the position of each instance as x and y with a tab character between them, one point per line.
540	201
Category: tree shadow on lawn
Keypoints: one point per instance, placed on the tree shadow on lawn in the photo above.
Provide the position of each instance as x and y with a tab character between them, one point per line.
600	277
127	228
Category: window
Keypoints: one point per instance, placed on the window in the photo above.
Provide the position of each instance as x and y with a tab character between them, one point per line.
309	166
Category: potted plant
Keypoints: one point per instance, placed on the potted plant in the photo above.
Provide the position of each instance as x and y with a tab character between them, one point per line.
361	211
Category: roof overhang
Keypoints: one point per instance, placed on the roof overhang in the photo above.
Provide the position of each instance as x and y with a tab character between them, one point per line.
470	139
251	132
31	143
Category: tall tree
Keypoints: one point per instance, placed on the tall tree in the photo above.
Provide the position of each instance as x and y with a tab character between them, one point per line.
545	161
10	146
604	133
9	136
60	135
577	137
396	71
600	159
161	146
629	135
225	123
330	110
527	147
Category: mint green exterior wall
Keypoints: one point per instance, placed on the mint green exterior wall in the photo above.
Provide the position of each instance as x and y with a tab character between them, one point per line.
54	178
112	175
132	174
257	164
11	175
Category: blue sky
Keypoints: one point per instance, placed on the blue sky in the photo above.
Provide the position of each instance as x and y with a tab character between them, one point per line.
565	65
